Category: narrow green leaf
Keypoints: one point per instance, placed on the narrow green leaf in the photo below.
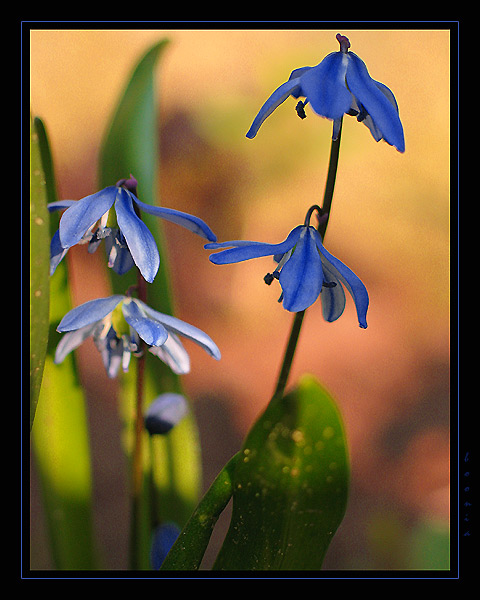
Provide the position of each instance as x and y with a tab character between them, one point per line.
290	488
188	550
130	147
39	270
60	439
62	458
131	141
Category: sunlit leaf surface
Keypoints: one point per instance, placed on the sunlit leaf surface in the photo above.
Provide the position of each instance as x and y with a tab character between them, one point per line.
60	439
39	269
290	487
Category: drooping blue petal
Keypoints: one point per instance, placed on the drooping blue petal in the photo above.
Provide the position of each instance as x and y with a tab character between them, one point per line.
387	92
301	277
57	252
111	351
173	354
376	102
89	312
190	222
126	354
140	241
113	357
297	74
353	283
71	340
119	256
367	120
60	204
165	412
151	331
291	87
83	214
234	243
185	329
332	298
247	250
324	86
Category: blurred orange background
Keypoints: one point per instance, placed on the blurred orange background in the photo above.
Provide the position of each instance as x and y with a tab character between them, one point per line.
389	223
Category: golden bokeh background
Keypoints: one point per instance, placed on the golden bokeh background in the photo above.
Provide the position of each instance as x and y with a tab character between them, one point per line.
389	223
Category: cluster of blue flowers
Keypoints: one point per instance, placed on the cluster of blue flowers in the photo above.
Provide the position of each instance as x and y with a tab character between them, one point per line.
121	325
339	85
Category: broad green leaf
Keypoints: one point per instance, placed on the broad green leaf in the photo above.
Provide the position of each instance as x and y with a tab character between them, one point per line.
171	463
60	439
290	487
39	270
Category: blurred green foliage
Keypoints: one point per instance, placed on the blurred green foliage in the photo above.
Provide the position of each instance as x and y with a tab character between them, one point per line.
39	269
60	439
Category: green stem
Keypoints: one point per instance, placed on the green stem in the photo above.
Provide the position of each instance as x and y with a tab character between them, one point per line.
289	353
137	468
330	185
322	227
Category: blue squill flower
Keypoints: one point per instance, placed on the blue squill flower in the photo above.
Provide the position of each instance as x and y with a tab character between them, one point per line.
128	244
305	270
118	323
340	85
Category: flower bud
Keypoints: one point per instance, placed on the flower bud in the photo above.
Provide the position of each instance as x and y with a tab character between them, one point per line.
164	413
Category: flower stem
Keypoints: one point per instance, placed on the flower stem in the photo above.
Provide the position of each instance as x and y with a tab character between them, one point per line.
289	354
137	453
330	185
322	227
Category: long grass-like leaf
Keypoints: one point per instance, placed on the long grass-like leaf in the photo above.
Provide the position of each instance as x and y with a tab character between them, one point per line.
60	439
39	270
171	463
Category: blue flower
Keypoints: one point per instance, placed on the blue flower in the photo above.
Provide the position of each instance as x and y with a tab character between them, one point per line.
128	244
340	85
118	323
164	412
305	271
163	538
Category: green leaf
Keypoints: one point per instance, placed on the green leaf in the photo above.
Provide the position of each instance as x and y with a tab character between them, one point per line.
60	439
291	486
131	142
39	270
131	146
429	546
62	458
189	548
172	463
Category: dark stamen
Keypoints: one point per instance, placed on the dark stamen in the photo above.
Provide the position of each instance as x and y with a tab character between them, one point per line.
300	108
268	278
329	284
362	115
